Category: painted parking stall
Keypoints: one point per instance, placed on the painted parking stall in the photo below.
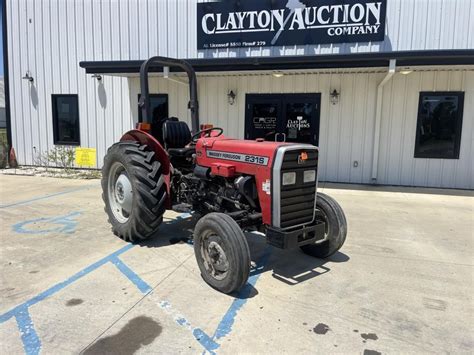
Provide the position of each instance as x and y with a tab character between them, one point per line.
86	291
66	225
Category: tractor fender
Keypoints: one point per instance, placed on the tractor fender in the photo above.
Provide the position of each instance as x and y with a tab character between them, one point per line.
160	153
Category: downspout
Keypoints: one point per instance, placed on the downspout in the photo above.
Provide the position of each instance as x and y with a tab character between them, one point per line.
378	117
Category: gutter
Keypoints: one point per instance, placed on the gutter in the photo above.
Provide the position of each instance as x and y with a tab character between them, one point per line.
378	117
321	61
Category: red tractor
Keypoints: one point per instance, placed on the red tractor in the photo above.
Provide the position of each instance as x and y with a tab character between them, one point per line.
232	185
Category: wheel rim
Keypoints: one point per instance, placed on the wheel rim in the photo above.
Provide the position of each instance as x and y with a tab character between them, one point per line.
120	192
214	256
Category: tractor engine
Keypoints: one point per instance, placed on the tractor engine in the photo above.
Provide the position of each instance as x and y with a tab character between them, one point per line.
204	193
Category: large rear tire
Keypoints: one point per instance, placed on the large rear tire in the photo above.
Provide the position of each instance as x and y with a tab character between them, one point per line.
331	213
134	191
222	252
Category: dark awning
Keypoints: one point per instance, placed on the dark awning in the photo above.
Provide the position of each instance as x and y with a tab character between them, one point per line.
359	60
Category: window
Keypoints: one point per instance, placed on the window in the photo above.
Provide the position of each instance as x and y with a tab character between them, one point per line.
66	119
158	107
438	132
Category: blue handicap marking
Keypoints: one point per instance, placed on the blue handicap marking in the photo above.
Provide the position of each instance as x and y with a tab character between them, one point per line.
31	341
61	224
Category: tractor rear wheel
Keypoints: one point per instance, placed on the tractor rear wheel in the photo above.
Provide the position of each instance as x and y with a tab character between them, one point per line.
134	191
222	252
331	213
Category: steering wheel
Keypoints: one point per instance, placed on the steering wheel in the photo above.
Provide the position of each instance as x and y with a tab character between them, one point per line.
206	133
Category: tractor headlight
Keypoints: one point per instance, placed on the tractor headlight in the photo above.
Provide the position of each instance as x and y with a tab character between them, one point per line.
309	176
289	178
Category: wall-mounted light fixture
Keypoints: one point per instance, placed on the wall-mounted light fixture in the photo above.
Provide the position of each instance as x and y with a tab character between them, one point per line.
231	97
28	77
278	74
97	76
406	71
334	96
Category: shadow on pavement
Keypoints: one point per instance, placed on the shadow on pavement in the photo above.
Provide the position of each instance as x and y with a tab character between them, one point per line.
171	231
295	267
288	266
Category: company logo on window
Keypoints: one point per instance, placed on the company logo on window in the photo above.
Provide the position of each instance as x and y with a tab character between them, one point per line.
250	23
299	123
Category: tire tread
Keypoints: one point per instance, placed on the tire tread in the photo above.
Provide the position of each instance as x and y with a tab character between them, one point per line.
150	191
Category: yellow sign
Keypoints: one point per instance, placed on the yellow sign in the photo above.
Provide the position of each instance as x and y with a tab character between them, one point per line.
86	157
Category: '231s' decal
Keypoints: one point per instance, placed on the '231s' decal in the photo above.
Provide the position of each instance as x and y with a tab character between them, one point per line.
244	158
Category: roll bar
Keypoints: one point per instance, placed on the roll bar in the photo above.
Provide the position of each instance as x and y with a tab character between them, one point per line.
144	103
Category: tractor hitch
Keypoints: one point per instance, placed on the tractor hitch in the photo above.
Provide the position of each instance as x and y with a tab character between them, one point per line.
291	239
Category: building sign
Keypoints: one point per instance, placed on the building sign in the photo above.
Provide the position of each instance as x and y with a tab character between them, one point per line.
252	23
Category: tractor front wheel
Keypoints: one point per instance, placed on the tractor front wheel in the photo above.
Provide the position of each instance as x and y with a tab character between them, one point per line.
134	191
331	213
222	252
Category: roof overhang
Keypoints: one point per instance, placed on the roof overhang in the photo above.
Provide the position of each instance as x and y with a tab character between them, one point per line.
358	60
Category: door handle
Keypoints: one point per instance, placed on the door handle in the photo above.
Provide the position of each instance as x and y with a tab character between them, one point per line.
278	134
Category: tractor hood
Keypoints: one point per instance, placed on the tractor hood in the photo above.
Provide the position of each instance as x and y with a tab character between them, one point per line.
230	158
230	149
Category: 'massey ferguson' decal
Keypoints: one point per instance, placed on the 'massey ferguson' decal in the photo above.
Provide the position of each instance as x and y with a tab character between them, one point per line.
244	158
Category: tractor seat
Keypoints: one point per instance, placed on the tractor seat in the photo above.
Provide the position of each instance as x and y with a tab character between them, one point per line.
176	135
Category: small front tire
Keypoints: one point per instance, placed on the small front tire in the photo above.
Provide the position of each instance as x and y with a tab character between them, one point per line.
222	252
331	213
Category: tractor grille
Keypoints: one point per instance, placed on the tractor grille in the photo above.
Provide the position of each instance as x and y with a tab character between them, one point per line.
296	201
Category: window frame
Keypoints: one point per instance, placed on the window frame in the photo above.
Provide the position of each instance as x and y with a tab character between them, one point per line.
458	128
54	107
166	96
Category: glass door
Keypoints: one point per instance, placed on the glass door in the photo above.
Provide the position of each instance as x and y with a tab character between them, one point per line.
262	117
283	117
300	121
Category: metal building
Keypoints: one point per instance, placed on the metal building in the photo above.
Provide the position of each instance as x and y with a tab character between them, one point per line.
385	88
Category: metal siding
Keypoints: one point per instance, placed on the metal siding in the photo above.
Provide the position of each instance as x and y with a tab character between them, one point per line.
25	94
60	34
64	32
410	25
397	166
347	128
355	112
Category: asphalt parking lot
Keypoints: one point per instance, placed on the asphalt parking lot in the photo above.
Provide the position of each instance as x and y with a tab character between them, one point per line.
403	282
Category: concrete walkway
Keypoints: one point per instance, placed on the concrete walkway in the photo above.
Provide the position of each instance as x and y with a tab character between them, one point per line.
403	283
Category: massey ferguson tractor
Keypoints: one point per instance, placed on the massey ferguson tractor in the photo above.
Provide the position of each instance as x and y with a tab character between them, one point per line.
231	185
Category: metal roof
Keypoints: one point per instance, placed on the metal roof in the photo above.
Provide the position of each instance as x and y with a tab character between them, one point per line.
358	60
